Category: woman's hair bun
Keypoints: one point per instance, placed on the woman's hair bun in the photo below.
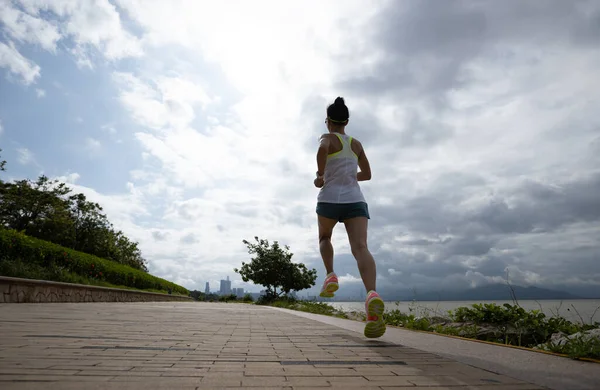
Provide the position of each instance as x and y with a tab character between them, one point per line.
338	112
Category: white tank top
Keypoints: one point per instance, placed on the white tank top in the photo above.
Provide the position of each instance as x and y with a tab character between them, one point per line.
341	184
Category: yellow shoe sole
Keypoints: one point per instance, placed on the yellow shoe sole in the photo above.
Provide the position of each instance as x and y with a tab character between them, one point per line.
329	290
374	329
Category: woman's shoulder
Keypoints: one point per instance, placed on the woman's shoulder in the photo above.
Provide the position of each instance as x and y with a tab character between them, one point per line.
355	140
356	146
327	137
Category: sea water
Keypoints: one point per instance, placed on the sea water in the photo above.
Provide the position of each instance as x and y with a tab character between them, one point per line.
575	310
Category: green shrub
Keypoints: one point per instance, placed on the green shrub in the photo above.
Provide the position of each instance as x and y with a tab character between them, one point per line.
446	330
228	298
397	318
308	306
533	322
506	324
576	347
17	247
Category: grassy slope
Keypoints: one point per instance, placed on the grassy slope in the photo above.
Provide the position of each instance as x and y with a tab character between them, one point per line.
27	257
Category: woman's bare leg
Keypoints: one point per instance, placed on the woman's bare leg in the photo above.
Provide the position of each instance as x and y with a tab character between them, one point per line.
357	235
326	226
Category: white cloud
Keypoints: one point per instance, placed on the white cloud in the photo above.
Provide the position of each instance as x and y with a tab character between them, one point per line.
521	277
17	64
224	107
477	279
349	279
92	145
1	127
91	24
121	209
26	28
69	178
112	133
25	156
97	23
165	101
40	93
109	128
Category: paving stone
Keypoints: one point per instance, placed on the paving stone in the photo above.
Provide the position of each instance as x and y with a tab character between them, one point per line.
264	372
309	381
189	345
389	381
77	366
36	372
50	378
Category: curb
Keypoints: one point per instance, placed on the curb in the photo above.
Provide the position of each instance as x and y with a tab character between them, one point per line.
589	360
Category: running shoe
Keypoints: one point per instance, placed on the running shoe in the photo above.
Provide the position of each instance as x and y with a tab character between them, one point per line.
329	286
374	307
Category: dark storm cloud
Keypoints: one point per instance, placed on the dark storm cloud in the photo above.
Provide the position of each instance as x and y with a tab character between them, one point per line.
423	214
449	235
467	246
538	205
494	264
416	263
425	44
533	214
522	209
418	131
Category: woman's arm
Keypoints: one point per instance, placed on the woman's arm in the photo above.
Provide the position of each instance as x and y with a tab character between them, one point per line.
324	142
364	165
322	152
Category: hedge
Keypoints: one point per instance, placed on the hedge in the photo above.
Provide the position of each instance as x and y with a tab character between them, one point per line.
15	245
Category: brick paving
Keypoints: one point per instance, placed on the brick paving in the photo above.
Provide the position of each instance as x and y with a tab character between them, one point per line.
181	345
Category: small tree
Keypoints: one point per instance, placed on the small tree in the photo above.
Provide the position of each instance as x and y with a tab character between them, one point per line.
2	163
272	268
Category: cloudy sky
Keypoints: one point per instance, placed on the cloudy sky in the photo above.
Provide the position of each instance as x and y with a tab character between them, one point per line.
195	125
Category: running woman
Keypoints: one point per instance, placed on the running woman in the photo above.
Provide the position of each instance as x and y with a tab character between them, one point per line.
340	199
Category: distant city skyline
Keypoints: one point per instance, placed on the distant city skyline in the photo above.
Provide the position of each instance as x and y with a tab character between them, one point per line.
225	288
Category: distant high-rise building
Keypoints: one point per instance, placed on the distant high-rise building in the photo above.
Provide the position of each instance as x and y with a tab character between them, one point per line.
225	287
239	292
207	289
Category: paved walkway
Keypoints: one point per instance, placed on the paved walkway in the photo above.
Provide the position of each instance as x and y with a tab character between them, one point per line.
553	372
210	346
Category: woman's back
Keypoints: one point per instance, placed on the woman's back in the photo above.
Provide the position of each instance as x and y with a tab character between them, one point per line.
341	183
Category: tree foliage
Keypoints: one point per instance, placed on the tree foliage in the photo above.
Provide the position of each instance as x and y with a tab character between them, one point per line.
272	267
47	209
25	256
2	164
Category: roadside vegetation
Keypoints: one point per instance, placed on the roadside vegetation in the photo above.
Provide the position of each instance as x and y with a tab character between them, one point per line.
503	324
507	324
47	233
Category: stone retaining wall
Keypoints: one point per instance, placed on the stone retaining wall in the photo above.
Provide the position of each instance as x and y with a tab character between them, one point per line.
16	290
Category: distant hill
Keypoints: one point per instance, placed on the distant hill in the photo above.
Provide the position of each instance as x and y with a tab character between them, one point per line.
490	292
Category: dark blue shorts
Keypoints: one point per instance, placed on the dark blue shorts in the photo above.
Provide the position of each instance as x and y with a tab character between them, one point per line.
342	211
